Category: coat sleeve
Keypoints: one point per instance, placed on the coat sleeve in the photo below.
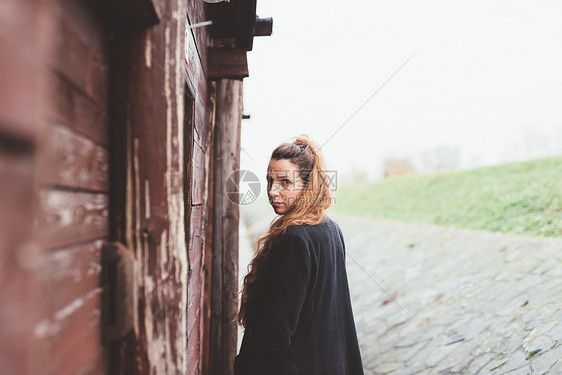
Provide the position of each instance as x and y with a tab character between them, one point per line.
290	269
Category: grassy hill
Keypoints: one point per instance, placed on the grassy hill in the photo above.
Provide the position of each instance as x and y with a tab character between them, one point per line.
521	198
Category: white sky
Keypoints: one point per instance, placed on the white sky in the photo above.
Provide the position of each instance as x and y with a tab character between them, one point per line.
486	78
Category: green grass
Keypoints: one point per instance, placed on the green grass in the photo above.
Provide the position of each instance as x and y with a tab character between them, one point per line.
522	198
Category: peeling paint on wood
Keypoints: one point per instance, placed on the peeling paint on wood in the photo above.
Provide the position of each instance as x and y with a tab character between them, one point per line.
146	199
74	161
194	67
70	273
70	217
71	337
148	50
73	192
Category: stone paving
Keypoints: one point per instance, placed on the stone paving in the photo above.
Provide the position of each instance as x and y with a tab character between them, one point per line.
435	300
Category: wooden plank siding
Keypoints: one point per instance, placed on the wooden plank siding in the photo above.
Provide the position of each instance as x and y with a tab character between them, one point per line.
22	23
71	273
70	339
81	163
21	300
110	161
196	14
72	107
166	152
72	215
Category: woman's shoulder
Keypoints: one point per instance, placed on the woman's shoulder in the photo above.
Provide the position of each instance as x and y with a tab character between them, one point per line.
307	231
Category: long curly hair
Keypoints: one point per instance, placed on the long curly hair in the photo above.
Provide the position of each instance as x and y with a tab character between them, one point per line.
311	204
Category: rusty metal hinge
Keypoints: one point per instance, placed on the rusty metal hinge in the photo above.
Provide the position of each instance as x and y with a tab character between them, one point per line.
119	302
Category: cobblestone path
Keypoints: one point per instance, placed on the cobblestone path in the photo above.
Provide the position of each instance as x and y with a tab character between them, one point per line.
454	301
435	300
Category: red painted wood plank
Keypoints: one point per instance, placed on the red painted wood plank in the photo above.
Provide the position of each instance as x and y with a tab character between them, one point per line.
97	366
199	176
201	117
196	14
71	337
79	51
195	72
197	77
20	297
194	311
196	259
205	117
68	217
74	161
196	221
193	346
70	106
70	273
87	358
196	238
23	42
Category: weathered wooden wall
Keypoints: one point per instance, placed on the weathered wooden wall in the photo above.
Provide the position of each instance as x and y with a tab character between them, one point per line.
59	148
108	146
73	182
166	117
168	121
22	23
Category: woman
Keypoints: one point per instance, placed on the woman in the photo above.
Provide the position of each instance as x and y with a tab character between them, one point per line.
295	304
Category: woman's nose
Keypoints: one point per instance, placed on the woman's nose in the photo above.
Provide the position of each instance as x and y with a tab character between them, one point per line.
273	189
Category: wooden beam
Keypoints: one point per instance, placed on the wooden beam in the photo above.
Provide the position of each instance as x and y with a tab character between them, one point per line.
245	23
142	13
264	27
227	62
236	20
226	217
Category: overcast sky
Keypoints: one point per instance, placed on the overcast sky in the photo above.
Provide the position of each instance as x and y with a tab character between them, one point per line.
484	78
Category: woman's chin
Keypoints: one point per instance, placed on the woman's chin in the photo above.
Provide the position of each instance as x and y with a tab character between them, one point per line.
279	210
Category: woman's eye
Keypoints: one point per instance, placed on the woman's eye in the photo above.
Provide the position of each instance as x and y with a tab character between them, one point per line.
286	182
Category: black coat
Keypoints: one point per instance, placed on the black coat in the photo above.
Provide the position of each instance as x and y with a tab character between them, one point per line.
300	321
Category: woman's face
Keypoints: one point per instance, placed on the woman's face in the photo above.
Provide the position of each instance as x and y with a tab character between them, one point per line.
284	185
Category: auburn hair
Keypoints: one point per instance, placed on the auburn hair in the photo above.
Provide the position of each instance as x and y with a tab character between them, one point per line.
311	204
